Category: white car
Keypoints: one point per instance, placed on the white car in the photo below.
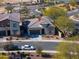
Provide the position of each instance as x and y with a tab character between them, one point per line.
27	47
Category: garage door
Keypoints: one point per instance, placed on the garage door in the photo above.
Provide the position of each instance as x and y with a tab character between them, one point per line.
34	32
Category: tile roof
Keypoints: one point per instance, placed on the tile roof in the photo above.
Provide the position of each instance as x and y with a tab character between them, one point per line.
12	16
15	17
36	23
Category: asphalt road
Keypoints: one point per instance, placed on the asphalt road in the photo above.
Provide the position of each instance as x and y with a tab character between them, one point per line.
43	45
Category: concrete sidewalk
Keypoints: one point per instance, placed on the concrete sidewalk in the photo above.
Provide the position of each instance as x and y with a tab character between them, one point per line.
31	51
67	41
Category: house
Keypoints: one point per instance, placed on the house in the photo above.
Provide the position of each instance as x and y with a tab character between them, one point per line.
74	16
75	19
9	24
73	12
39	26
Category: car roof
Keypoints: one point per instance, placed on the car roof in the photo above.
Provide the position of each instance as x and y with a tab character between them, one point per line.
26	45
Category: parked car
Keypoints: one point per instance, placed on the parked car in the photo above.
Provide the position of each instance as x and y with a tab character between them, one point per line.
11	47
28	47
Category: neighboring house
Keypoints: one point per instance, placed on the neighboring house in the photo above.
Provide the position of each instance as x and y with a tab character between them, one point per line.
72	15
73	12
77	27
35	13
76	22
39	26
9	24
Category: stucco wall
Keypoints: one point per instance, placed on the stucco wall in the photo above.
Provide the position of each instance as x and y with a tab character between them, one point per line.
14	28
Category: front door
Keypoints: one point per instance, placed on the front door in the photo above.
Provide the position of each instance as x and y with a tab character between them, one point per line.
35	32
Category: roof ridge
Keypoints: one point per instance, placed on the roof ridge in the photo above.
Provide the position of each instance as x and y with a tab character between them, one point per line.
34	22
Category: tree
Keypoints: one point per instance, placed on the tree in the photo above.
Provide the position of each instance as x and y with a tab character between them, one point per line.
9	8
46	1
54	12
73	2
49	1
24	11
64	24
67	51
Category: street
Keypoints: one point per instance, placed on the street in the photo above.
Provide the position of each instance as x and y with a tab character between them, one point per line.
43	45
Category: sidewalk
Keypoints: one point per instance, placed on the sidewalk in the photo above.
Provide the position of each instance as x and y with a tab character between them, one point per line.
3	41
31	51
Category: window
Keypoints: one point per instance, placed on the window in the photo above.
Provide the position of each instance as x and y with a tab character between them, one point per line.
14	24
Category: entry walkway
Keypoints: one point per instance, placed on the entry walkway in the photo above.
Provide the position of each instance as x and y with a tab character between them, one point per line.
36	38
